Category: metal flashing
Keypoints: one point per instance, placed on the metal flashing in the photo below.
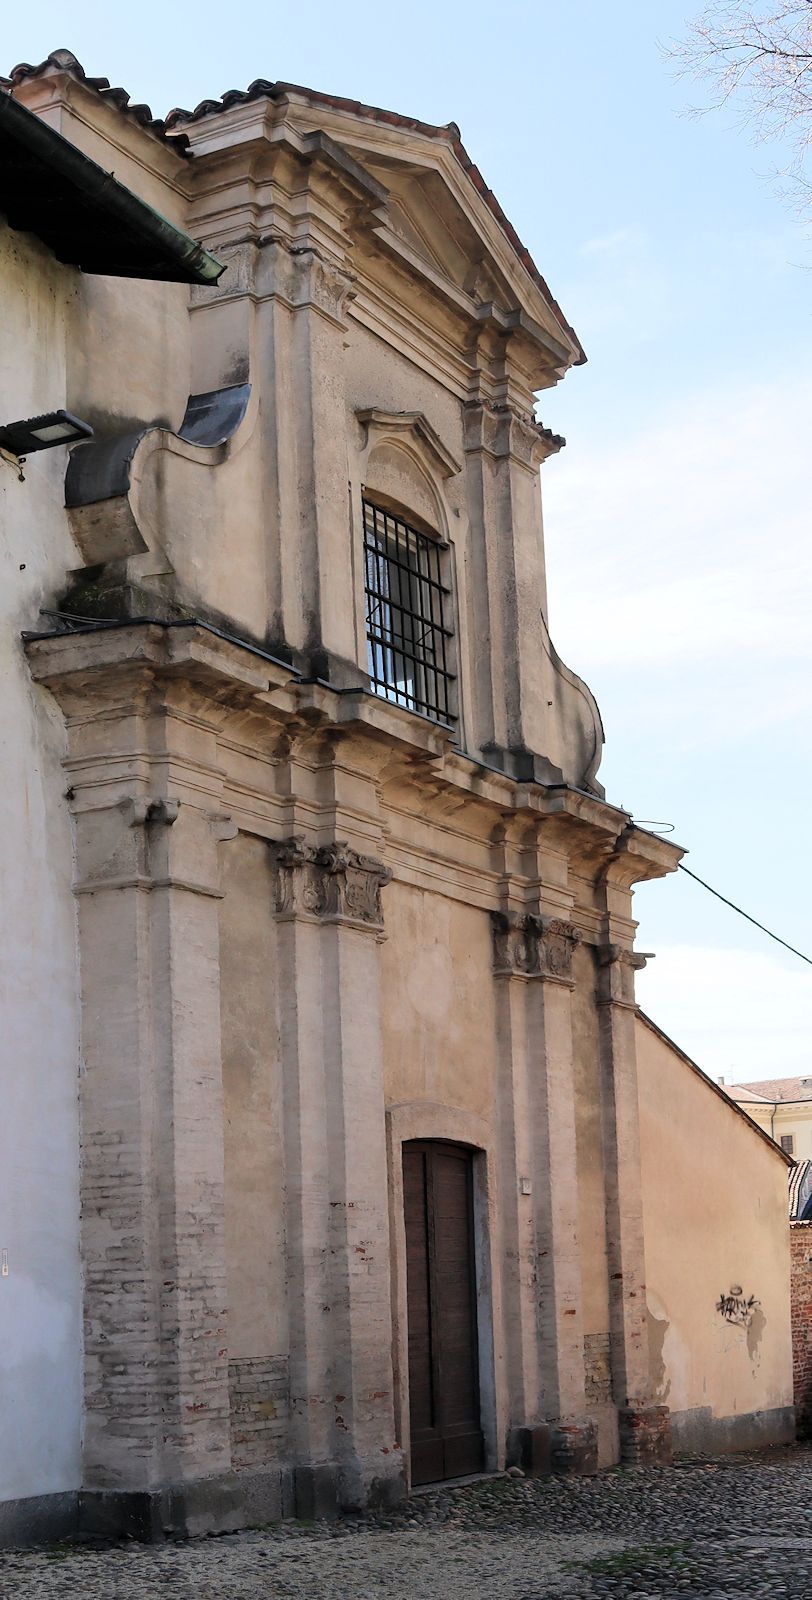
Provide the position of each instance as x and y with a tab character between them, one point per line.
82	213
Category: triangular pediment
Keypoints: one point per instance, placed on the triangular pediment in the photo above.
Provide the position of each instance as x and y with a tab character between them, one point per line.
407	227
423	212
444	218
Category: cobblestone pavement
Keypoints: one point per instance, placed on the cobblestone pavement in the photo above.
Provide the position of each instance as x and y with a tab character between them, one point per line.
721	1529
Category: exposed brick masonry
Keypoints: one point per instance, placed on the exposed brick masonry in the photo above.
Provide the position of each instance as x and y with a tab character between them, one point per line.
598	1370
801	1257
258	1391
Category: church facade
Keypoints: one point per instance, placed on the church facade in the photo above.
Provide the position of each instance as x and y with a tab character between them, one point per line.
338	1081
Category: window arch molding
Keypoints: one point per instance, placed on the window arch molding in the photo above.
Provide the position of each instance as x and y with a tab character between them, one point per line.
405	464
409	578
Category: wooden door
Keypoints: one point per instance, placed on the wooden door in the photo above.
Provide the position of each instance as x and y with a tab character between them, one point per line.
446	1436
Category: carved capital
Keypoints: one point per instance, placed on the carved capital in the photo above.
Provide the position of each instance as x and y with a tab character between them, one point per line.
500	430
617	965
558	942
331	882
528	946
302	277
515	944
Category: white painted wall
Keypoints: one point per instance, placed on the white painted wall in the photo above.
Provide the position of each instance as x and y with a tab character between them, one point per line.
40	1299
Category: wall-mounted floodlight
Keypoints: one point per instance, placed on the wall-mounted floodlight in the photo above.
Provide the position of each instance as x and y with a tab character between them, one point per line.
43	433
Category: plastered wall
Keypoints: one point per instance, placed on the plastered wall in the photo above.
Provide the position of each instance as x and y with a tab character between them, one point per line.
717	1258
40	1299
438	1018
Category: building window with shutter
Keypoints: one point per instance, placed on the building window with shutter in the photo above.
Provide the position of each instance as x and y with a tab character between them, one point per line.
408	616
788	1144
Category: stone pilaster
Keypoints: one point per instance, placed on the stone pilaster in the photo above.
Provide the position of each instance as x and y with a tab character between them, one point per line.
329	912
544	1330
644	1430
156	1443
504	448
301	351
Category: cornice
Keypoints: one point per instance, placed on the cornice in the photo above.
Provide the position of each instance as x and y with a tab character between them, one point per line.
226	684
384	138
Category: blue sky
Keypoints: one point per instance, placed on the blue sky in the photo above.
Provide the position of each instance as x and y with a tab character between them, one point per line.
677	519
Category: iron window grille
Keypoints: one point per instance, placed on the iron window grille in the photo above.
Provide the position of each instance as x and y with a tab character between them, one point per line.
788	1144
408	636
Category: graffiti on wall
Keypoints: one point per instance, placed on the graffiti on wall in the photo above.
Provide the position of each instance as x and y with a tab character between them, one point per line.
737	1307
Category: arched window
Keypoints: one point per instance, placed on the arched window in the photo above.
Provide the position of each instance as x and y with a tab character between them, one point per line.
408	615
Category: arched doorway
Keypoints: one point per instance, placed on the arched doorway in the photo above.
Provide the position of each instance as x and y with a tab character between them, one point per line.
444	1405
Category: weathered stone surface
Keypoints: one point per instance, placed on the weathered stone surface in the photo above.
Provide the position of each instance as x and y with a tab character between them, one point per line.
312	924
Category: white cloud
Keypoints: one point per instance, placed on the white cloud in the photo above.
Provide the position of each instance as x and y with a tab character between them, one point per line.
740	1014
690	541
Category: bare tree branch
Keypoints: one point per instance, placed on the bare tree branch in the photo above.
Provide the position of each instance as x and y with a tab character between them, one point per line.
759	57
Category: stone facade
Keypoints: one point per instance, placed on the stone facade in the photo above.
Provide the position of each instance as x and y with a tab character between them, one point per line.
312	925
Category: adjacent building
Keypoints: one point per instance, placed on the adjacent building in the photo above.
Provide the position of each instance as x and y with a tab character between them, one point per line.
783	1108
337	1156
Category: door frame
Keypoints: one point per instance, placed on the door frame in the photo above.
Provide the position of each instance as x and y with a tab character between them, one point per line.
414	1120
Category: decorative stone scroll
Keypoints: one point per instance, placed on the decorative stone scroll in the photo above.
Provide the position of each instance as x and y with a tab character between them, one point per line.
529	946
330	882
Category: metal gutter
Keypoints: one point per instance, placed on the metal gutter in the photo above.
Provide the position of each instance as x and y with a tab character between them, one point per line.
85	215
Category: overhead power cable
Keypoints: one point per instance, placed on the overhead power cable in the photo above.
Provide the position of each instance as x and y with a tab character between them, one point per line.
746	915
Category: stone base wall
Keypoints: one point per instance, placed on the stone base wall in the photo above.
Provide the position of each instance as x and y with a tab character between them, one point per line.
258	1392
699	1432
38	1519
800	1235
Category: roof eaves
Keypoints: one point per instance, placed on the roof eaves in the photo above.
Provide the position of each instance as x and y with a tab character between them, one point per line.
449	133
65	61
85	215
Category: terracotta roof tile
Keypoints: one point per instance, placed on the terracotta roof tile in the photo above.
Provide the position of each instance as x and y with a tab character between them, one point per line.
449	133
778	1090
170	129
65	61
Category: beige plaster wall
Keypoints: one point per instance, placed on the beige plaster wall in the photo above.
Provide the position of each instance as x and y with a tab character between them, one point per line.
40	1299
128	351
377	374
437	1002
129	354
715	1216
254	1175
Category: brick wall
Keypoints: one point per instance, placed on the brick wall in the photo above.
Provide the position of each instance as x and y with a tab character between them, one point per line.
801	1248
258	1391
597	1370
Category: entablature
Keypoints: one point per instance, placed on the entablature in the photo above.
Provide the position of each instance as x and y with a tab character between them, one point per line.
283	757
